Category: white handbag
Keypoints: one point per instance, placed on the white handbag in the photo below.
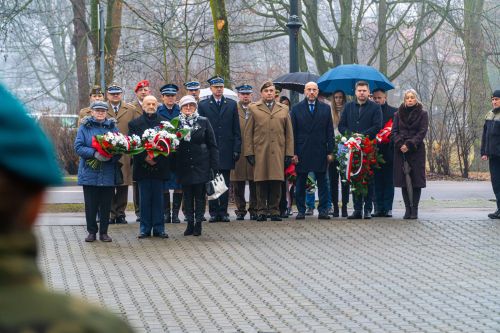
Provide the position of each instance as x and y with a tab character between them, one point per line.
216	187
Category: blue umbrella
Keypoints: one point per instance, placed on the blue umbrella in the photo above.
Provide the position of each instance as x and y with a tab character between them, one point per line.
344	77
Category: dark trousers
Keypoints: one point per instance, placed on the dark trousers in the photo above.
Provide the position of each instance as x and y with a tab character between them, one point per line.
335	179
151	205
283	202
239	197
97	199
119	201
494	162
218	207
194	201
300	192
367	199
384	188
268	197
137	203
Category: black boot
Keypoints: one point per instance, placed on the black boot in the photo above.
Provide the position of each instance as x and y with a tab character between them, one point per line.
166	204
406	200
416	200
197	229
176	206
344	210
336	212
190	228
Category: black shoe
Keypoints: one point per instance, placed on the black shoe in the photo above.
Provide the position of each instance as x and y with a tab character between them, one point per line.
138	219
224	218
309	211
213	219
356	215
335	212
413	213
121	220
253	217
143	235
495	215
276	218
367	215
204	219
388	213
323	216
105	238
378	214
407	213
189	229
162	235
167	218
240	217
262	218
111	221
90	238
175	219
284	215
344	211
197	229
300	216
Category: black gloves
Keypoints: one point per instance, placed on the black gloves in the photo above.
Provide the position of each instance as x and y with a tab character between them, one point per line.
288	161
251	159
236	156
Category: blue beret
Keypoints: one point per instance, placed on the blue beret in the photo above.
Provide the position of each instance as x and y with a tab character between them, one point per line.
216	81
115	89
99	105
169	89
192	85
245	89
25	150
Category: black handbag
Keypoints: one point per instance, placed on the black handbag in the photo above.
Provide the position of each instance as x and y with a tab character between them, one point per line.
118	173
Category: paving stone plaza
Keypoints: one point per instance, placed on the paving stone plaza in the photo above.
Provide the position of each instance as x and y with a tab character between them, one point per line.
437	274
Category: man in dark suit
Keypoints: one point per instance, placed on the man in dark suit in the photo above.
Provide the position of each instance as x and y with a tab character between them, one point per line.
313	142
223	116
384	184
365	117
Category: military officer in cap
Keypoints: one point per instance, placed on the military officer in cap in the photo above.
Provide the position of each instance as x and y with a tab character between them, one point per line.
123	113
25	304
95	95
193	89
269	148
170	110
243	171
223	116
141	90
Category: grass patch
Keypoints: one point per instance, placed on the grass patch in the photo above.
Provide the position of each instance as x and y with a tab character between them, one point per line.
71	208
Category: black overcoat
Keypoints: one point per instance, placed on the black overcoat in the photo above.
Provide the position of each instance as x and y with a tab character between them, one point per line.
409	129
313	135
196	157
364	119
226	125
140	168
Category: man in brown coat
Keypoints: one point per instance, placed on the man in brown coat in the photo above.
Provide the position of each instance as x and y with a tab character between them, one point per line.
95	95
243	171
123	113
268	146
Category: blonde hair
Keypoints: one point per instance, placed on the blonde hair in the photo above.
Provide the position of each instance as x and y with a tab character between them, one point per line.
414	93
335	109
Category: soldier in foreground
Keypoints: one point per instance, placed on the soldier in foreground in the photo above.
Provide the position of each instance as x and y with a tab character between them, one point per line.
25	305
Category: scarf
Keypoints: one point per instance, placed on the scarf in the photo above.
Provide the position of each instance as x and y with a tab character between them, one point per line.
188	121
409	114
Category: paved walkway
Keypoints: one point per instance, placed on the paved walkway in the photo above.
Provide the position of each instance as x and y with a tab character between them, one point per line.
437	274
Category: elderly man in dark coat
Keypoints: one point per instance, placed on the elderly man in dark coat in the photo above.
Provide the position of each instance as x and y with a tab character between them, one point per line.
150	173
384	185
365	117
223	116
313	143
409	130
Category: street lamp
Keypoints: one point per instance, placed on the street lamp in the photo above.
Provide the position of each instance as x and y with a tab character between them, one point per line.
293	31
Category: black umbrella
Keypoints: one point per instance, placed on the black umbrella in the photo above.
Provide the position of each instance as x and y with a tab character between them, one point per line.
409	185
295	81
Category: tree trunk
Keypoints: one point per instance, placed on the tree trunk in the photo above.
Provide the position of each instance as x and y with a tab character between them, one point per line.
94	40
79	42
112	38
314	34
221	38
346	40
382	36
478	85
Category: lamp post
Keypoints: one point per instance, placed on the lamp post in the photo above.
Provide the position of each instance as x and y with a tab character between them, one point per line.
293	32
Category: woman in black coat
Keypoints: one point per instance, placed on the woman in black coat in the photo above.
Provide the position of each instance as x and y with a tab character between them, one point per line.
196	158
408	132
150	173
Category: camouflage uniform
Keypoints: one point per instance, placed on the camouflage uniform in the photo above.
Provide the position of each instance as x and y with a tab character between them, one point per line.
27	306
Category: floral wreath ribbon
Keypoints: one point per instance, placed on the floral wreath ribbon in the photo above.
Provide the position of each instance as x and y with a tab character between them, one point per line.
353	144
156	144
